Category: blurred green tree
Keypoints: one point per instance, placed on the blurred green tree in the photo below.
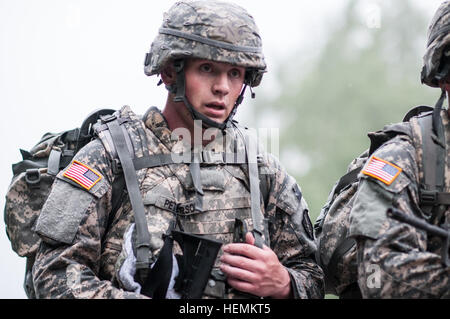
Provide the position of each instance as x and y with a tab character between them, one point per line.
366	75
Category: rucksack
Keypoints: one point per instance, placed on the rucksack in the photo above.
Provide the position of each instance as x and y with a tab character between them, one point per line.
336	251
31	184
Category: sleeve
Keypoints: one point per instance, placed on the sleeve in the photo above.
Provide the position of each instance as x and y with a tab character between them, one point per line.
71	224
395	260
291	232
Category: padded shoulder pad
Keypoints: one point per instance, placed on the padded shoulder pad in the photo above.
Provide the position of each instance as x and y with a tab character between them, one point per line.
85	177
90	170
386	174
378	138
392	166
62	212
290	198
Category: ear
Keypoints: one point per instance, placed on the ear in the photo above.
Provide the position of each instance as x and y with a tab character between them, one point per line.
168	74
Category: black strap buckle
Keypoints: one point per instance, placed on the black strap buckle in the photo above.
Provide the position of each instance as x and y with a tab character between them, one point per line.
116	166
428	198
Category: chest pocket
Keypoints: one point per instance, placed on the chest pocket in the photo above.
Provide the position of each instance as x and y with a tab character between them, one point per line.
225	198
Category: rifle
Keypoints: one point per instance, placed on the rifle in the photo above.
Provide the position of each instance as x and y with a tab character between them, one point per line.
199	255
423	225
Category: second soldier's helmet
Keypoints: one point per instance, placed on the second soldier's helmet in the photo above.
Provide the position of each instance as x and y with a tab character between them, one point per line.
212	30
437	56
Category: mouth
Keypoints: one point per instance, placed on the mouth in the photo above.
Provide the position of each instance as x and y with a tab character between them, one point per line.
215	110
216	106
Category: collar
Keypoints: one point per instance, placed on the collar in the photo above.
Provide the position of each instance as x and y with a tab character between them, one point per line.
154	120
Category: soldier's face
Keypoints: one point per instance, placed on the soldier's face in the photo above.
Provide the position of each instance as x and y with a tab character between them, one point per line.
213	87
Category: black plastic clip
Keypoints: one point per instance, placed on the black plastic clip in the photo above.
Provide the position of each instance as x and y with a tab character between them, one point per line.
33	177
428	198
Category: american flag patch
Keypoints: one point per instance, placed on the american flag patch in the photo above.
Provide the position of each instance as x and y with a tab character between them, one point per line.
382	170
82	175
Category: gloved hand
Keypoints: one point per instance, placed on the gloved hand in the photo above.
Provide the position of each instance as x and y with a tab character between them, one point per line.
128	269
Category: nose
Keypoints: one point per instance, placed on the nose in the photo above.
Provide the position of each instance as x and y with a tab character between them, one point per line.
221	85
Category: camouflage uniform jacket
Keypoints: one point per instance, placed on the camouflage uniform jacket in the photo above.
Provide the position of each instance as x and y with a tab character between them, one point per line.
80	255
396	260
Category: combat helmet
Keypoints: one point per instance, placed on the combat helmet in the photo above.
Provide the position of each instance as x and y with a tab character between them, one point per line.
212	30
436	60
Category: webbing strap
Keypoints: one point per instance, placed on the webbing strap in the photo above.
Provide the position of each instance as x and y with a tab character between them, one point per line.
258	227
153	161
157	160
433	162
142	233
331	268
194	168
347	179
340	251
433	198
53	162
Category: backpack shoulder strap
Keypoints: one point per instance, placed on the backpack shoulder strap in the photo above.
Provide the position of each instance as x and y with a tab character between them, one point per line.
255	180
431	158
125	156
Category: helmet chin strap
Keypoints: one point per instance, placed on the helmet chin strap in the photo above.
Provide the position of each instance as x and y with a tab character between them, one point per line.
180	96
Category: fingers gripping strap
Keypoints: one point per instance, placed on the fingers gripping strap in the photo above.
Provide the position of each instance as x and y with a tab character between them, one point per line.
142	234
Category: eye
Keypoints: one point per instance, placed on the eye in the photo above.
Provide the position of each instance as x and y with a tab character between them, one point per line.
206	67
235	73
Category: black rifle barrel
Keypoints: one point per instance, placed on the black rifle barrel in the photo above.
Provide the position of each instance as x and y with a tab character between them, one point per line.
417	222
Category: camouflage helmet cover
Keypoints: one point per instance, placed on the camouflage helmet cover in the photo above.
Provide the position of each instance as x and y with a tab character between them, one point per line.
438	43
213	30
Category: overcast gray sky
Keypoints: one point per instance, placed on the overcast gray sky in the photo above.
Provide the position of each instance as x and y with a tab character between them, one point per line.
59	60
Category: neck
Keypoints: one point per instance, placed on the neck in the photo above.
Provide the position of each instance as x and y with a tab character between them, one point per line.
179	120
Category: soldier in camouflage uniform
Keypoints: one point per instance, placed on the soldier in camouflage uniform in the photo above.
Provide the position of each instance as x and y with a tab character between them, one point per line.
206	53
396	260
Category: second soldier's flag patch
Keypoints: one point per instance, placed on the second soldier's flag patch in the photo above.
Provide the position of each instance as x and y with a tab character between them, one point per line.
82	174
382	170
